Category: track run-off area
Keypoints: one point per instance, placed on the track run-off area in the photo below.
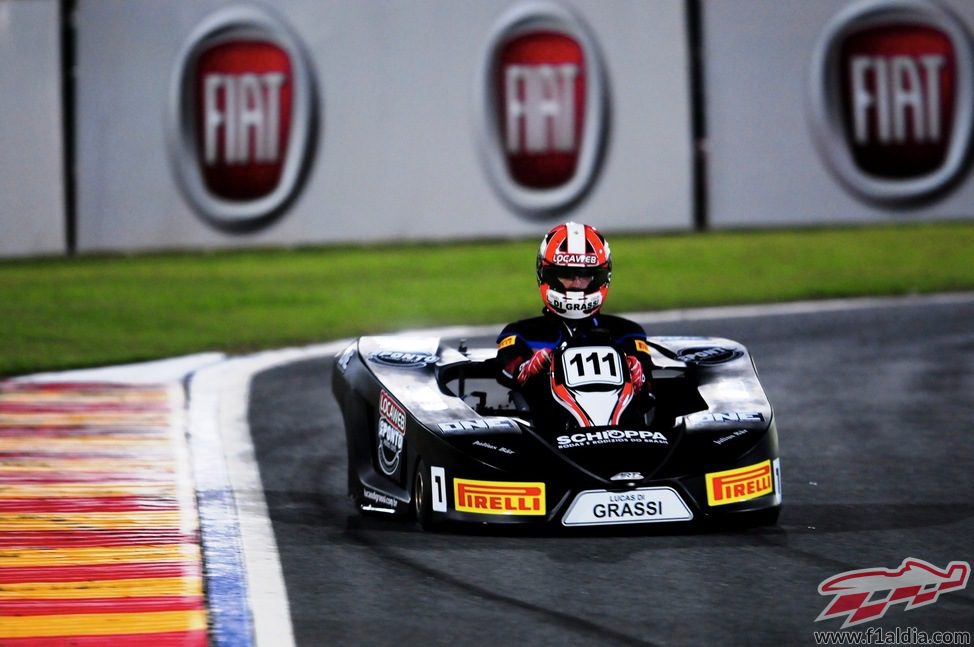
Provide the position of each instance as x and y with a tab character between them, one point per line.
874	402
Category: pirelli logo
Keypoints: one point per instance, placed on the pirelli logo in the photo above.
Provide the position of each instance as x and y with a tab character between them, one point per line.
492	497
739	484
507	341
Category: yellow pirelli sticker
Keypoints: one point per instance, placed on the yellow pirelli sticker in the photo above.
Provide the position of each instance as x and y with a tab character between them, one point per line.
642	346
492	497
739	484
507	341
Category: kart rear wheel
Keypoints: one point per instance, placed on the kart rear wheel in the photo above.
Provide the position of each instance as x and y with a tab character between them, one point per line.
423	497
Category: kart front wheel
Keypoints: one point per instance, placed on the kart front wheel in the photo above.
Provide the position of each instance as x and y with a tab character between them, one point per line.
423	496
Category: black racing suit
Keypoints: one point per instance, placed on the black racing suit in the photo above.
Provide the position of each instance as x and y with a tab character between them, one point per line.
518	341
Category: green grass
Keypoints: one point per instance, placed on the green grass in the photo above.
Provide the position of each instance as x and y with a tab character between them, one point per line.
76	312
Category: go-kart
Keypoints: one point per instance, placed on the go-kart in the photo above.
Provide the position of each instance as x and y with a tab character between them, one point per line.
432	435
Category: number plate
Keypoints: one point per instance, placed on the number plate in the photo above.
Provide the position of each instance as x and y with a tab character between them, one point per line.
592	365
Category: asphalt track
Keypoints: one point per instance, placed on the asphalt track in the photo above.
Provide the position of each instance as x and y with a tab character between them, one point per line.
875	411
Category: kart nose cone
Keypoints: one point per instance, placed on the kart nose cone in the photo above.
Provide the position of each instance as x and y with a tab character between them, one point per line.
619	454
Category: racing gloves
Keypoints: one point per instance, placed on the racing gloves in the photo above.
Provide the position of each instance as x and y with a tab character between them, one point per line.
537	364
636	372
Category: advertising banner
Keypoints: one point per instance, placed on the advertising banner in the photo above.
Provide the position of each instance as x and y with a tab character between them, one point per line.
305	122
839	112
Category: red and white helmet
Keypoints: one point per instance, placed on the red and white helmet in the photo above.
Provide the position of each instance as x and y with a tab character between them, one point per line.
574	270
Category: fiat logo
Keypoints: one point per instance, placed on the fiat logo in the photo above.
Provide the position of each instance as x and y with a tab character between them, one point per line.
542	102
241	118
892	98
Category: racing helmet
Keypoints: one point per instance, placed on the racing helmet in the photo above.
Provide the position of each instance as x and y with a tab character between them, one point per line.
574	270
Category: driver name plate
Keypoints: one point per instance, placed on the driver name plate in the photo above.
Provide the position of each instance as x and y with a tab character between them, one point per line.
643	505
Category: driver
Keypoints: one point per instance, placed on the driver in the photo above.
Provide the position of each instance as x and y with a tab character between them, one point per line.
574	268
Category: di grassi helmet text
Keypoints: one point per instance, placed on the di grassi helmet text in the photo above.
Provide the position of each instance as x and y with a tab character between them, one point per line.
574	270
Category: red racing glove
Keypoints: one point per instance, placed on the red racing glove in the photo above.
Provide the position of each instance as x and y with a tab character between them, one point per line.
538	364
636	372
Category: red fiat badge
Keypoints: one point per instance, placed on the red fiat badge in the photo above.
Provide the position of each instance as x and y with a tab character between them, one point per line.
542	108
241	118
892	99
541	103
897	93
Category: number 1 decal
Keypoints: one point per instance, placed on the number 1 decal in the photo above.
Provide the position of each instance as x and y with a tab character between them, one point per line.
438	478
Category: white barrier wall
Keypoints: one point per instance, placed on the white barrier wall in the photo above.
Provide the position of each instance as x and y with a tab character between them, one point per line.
32	207
773	160
400	149
214	124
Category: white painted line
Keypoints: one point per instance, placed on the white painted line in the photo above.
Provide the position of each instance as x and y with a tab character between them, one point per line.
225	575
739	312
219	398
803	307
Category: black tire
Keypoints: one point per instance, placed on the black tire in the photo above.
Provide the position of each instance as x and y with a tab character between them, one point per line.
423	497
761	518
768	517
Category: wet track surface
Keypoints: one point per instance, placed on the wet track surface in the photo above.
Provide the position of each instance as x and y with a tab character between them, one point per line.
875	414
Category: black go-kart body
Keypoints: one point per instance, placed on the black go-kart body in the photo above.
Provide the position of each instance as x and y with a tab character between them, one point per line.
433	436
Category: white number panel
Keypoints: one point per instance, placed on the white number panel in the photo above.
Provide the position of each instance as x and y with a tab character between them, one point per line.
592	365
438	477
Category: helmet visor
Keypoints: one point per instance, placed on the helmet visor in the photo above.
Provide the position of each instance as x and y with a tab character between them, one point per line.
585	279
